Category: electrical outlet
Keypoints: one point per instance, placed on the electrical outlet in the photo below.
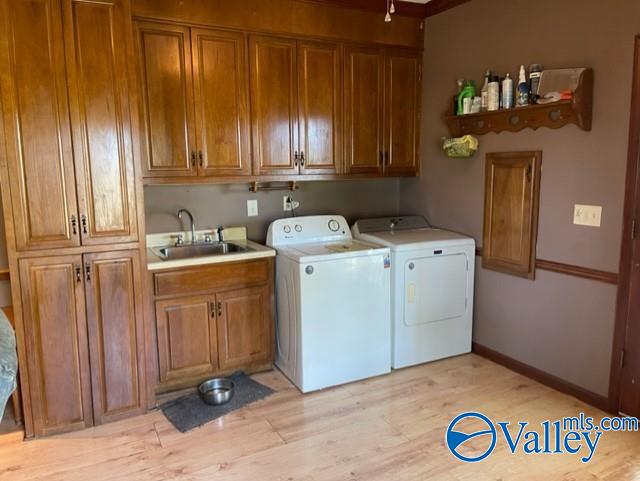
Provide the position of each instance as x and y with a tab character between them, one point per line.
589	215
289	206
252	208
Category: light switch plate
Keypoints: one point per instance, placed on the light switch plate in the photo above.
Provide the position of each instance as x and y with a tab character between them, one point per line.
589	215
252	208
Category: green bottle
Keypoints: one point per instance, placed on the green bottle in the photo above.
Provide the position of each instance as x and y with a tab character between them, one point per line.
468	91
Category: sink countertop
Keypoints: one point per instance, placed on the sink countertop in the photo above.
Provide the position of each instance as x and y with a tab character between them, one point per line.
155	263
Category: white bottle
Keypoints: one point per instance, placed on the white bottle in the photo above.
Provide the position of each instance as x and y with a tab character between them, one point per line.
507	92
484	93
494	95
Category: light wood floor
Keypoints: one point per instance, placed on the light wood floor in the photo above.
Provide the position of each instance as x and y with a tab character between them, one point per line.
384	429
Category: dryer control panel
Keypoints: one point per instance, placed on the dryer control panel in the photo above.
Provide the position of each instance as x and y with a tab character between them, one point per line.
307	230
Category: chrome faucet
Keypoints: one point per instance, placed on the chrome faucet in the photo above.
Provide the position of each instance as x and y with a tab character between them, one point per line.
193	224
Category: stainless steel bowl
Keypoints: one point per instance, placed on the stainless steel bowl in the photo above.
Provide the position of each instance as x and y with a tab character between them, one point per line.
216	391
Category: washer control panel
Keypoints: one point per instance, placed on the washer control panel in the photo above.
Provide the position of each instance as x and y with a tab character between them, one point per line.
302	230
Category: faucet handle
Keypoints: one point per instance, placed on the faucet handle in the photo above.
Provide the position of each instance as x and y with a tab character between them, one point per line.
207	238
179	240
220	230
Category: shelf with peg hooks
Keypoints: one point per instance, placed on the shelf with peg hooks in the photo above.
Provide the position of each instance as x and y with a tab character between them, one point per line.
259	186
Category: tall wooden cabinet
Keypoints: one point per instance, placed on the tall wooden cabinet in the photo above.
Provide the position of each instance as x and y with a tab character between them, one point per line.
70	198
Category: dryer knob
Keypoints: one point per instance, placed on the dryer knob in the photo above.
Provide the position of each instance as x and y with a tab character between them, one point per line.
411	266
309	270
334	225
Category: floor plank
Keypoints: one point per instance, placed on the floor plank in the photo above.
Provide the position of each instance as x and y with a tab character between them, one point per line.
383	429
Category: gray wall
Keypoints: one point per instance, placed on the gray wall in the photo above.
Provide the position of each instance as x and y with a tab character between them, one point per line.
215	205
560	324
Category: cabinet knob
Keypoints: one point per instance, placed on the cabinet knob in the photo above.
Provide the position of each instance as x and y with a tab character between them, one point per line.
87	272
219	309
84	223
78	274
74	225
212	308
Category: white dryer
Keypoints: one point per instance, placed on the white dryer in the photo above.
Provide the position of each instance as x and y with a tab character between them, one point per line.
432	287
333	303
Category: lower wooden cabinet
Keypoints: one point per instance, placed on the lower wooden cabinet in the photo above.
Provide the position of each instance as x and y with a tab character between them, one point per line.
187	345
82	320
227	327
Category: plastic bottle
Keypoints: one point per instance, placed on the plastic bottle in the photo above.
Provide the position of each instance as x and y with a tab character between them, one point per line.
465	98
535	72
507	92
484	93
455	97
523	88
493	103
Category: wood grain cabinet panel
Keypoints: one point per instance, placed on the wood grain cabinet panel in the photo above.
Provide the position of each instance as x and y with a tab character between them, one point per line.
274	107
56	341
512	187
187	342
113	296
36	120
320	106
402	112
363	110
98	81
164	53
220	73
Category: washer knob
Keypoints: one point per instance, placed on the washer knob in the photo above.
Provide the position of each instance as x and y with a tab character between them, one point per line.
309	270
334	225
298	228
287	229
412	266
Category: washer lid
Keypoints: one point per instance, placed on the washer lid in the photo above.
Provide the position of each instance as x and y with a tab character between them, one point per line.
417	239
329	251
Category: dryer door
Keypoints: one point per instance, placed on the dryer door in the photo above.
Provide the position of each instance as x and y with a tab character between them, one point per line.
435	288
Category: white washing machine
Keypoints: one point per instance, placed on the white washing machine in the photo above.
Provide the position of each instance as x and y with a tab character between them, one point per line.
333	303
432	287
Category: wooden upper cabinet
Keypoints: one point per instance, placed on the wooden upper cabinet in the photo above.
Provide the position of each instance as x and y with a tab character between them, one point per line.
244	334
114	318
221	84
402	112
164	54
56	343
96	36
363	106
320	107
36	121
512	190
273	105
187	343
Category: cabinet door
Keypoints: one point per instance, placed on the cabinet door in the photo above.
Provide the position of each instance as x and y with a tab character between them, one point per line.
243	327
320	105
273	105
97	38
187	344
114	318
364	97
164	55
56	343
36	120
402	112
220	72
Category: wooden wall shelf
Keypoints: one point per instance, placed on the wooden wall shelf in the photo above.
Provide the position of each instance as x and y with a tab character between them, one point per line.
558	114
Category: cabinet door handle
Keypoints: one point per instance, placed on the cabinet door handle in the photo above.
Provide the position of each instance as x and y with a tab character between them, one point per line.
219	309
87	272
84	222
193	158
78	274
295	158
302	158
212	308
201	158
74	225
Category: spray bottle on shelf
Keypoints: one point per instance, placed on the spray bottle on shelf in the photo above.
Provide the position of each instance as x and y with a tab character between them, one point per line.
507	92
523	88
